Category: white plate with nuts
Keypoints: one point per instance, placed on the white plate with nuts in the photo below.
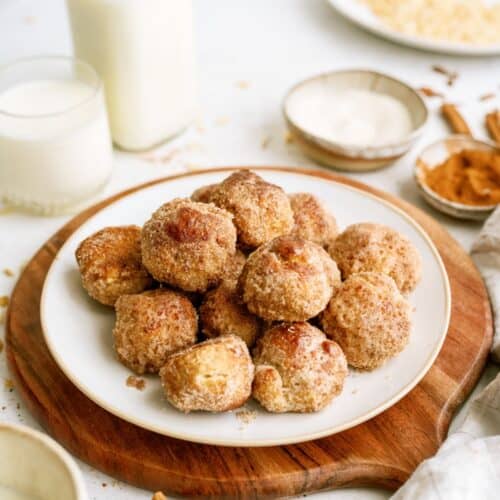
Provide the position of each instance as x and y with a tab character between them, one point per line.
429	30
88	346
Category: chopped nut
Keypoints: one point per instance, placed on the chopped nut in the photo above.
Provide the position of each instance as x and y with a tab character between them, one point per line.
4	301
463	21
136	382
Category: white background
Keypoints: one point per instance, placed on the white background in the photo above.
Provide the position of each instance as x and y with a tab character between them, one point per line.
269	46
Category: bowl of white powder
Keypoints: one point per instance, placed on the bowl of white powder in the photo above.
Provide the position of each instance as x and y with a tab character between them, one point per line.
354	119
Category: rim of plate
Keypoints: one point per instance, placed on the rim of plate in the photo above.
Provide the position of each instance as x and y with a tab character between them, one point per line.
320	175
427	44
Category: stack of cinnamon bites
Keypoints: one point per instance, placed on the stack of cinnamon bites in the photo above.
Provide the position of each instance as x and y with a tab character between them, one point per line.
244	291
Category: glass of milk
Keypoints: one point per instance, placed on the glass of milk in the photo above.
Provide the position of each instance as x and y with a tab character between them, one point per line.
55	145
144	52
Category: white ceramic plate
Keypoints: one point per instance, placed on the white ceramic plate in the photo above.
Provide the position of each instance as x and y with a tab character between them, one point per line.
360	14
78	330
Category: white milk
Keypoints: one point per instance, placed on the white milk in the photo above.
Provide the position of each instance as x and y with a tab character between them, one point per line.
143	51
55	148
11	494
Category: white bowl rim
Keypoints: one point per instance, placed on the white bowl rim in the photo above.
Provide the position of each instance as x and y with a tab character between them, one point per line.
452	204
58	451
358	150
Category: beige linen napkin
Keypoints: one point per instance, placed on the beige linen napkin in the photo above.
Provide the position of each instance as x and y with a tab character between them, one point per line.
468	464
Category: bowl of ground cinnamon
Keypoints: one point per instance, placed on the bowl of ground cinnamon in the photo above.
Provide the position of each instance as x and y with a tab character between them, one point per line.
460	176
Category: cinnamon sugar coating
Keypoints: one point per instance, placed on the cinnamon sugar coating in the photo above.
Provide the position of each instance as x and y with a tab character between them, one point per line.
297	369
288	279
369	318
152	325
375	247
223	312
261	210
312	221
188	244
215	375
234	267
110	264
204	193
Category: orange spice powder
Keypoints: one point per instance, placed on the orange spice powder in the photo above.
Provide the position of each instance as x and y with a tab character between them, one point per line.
470	177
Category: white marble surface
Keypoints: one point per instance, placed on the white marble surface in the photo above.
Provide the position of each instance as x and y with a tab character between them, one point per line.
269	46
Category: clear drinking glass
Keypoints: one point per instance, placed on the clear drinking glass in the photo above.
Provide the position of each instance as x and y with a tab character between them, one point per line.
55	145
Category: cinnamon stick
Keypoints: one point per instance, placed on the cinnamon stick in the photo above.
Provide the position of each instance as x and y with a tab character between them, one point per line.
493	125
455	119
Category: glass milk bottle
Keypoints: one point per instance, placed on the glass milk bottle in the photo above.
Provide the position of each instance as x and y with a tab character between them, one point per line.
143	50
55	146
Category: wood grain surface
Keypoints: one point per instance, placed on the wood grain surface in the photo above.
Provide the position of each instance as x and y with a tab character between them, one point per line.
381	452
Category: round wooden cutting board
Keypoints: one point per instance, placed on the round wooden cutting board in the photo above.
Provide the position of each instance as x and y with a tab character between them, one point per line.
381	452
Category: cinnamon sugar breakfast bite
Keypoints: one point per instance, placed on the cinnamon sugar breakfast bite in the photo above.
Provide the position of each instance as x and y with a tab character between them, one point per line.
110	264
374	247
215	375
288	279
223	312
152	325
312	220
369	318
188	245
261	210
297	369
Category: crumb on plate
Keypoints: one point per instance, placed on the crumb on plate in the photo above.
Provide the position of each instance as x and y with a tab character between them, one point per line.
246	416
136	382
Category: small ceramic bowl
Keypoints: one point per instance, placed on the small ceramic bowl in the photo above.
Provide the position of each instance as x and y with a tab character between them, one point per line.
434	155
32	465
348	157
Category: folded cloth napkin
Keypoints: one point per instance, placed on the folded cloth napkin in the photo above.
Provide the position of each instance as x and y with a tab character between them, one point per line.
468	463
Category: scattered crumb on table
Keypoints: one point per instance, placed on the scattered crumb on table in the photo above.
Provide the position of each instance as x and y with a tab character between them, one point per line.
8	272
222	120
354	391
29	19
136	382
104	485
487	97
429	92
266	141
450	75
246	416
4	301
242	84
159	496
